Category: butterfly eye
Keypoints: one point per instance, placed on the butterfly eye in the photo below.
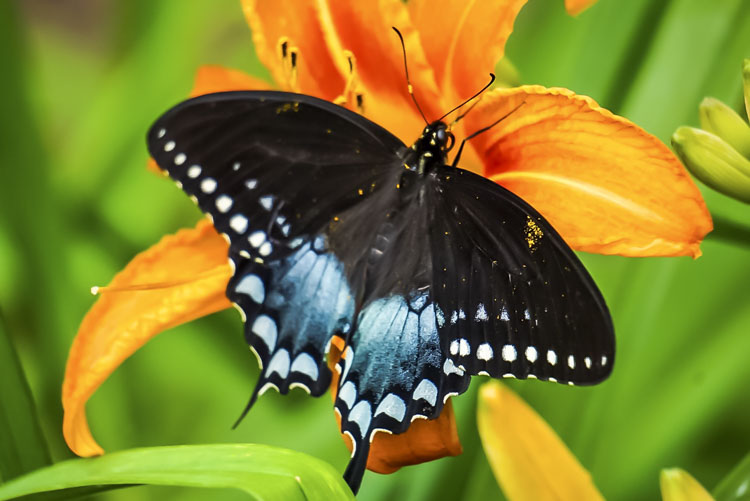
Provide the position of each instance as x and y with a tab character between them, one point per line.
441	135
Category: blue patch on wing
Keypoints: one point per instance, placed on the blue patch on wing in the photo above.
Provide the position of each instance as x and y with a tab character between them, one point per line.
291	309
392	371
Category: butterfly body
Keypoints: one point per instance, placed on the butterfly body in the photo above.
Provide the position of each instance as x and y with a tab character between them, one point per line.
427	273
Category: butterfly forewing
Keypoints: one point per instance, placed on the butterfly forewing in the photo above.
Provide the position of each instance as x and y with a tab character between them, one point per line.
270	167
514	299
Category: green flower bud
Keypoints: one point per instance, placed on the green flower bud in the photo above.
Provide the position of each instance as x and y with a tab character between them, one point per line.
713	161
720	119
746	83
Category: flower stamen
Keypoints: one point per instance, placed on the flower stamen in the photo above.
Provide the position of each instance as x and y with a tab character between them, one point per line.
351	87
218	270
289	56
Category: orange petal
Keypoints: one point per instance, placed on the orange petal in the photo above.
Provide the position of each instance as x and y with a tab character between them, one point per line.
425	440
191	271
270	20
604	183
364	29
529	460
575	7
464	40
213	78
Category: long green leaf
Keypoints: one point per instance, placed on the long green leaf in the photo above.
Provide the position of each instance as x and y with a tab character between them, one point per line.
263	472
736	485
22	444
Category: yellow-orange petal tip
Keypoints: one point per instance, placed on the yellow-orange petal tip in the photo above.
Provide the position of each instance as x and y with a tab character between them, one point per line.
678	485
529	460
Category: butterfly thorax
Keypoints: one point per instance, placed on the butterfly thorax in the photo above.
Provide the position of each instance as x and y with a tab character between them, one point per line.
431	149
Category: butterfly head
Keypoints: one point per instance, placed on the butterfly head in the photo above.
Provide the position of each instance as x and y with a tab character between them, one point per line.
431	148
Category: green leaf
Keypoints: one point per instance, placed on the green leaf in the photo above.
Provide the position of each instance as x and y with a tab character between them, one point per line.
736	485
263	472
23	446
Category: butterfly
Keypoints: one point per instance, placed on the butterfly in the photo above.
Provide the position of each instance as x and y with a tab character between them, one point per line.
426	273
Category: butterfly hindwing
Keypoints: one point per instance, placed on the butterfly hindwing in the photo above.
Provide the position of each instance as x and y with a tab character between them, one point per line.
393	368
293	308
515	300
392	372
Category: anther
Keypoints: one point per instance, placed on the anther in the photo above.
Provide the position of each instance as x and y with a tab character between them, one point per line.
283	46
351	84
361	103
289	56
293	55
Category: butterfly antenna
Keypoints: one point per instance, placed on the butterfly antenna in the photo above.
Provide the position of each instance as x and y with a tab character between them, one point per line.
408	82
483	129
492	79
459	117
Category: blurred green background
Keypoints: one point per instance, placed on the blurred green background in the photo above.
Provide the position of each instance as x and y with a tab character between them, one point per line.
81	82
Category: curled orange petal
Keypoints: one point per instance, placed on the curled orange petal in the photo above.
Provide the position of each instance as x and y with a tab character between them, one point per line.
464	40
425	440
213	78
604	183
529	460
364	30
189	271
295	21
575	7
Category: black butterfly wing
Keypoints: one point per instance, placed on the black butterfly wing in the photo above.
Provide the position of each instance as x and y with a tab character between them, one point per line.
270	167
293	307
393	368
493	289
513	298
393	372
273	170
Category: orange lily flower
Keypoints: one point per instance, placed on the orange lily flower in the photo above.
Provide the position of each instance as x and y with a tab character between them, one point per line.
605	184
